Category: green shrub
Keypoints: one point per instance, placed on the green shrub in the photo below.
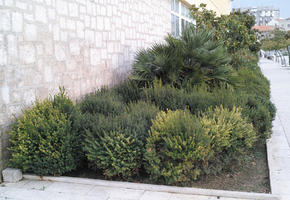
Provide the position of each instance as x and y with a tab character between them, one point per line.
197	98
259	110
104	102
129	91
228	129
43	140
269	105
116	144
259	116
253	82
63	103
137	119
254	88
201	98
134	121
115	152
165	96
231	137
176	148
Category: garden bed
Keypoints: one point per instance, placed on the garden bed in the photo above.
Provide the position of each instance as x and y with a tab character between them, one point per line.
252	176
194	112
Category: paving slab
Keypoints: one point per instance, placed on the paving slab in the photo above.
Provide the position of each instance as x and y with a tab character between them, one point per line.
68	188
278	146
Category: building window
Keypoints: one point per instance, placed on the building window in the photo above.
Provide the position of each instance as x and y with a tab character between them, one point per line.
181	17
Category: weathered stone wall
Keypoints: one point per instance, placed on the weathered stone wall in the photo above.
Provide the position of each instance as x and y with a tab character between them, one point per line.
78	44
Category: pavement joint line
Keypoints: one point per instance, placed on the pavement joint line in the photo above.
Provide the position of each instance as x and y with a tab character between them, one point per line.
284	131
157	188
269	165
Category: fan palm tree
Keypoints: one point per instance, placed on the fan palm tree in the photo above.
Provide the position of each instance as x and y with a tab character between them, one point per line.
194	58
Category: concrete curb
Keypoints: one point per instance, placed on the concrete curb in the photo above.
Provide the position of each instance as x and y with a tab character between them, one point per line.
269	159
156	188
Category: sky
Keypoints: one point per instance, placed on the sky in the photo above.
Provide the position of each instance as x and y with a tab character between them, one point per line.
283	5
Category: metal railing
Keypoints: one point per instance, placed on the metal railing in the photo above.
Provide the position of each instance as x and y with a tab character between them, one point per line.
281	56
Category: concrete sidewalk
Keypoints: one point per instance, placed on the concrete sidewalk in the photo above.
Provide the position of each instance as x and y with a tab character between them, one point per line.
68	188
278	147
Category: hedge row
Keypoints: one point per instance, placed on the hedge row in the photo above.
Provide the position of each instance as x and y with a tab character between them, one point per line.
172	135
188	110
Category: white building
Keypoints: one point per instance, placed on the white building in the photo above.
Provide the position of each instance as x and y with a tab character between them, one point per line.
284	24
263	15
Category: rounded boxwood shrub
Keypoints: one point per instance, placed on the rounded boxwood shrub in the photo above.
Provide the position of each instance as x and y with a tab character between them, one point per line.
43	140
115	153
231	137
228	129
116	144
177	148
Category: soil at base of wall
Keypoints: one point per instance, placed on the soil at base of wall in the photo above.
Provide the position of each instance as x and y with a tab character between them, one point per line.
252	176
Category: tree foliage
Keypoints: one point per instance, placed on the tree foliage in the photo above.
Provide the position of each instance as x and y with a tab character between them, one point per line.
235	30
281	40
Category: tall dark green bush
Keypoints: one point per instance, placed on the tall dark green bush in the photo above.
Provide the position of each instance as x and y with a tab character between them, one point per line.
200	98
260	116
129	91
269	105
165	96
252	81
137	119
44	141
104	101
197	98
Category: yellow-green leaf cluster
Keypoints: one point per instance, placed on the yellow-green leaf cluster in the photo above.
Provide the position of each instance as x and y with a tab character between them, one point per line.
116	153
228	129
43	140
176	147
181	146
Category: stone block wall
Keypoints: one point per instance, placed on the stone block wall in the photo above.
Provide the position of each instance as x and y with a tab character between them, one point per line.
79	44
